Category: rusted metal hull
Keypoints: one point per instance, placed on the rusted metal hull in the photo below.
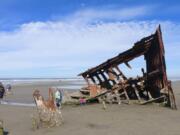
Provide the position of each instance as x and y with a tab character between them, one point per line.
152	86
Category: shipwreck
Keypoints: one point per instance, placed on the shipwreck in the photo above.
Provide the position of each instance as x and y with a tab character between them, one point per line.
108	83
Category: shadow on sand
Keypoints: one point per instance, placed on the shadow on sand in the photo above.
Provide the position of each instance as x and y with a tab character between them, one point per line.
5	133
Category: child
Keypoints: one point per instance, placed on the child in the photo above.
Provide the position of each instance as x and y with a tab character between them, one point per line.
82	101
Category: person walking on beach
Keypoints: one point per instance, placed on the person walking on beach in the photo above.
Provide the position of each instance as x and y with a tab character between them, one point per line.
58	98
8	88
2	91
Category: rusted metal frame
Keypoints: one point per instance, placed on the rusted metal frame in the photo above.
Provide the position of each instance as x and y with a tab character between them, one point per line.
112	75
122	59
102	94
110	79
105	78
162	58
122	88
110	70
145	40
126	56
133	85
128	65
146	77
154	62
105	83
136	92
153	100
134	53
153	50
171	96
102	73
154	73
99	79
117	95
86	79
149	95
121	73
97	76
127	97
91	77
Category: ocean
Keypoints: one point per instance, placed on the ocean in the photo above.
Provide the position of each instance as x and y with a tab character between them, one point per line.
65	83
74	80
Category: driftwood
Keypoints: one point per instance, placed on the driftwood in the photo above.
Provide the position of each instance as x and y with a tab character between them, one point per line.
114	85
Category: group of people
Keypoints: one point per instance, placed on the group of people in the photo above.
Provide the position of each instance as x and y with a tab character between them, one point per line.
59	96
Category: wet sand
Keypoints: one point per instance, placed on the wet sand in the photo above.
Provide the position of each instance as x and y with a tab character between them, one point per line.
92	119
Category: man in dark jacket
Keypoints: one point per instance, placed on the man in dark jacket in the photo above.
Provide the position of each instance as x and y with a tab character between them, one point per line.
2	90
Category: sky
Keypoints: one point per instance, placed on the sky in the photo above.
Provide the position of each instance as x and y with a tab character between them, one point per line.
62	38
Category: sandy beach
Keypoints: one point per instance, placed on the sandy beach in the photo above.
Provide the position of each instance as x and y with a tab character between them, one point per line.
89	67
91	119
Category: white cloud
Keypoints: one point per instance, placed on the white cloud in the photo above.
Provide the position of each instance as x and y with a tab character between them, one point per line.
59	44
120	14
107	13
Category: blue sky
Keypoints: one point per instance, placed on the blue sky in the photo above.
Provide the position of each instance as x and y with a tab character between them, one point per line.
61	38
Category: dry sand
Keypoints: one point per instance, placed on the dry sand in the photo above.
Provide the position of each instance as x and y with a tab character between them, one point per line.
92	119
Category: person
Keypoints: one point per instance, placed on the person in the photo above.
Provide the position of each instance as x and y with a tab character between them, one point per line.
82	101
8	89
2	91
58	98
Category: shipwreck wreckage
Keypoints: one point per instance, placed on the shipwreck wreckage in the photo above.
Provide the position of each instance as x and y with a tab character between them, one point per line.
108	83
